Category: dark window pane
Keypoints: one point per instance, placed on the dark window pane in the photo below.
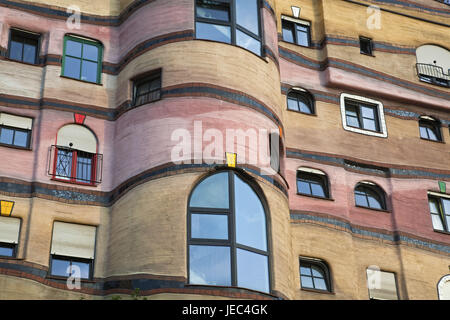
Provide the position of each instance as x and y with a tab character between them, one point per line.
303	187
209	265
21	139
305	107
247	42
252	270
6	251
317	272
64	164
209	226
89	71
81	269
250	217
73	48
84	168
72	67
288	32
247	15
432	134
212	192
6	136
365	45
213	10
210	31
29	53
15	50
90	52
60	267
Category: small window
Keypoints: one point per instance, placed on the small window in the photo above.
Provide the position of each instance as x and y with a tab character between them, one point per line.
312	182
15	130
82	59
300	101
369	195
382	285
9	236
440	212
363	115
366	46
430	129
24	46
147	90
298	32
275	151
314	274
72	251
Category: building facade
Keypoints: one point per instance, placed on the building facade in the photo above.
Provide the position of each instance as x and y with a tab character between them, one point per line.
117	119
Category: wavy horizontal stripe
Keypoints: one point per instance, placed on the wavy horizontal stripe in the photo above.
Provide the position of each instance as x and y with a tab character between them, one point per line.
412	5
394	237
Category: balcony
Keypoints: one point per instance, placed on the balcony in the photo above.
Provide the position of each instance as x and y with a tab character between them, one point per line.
433	74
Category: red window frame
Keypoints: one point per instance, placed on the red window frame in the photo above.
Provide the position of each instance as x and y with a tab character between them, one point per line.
73	170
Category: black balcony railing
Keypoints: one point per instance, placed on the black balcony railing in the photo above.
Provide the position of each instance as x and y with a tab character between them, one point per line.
433	74
76	166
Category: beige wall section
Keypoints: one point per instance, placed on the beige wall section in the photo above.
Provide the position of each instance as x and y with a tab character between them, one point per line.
20	79
96	7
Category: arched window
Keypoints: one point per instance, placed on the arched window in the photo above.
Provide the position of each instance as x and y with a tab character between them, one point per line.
75	155
444	288
312	182
369	195
227	234
301	101
314	274
430	128
433	64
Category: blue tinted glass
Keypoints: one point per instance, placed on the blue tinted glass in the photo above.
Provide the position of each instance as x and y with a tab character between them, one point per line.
6	252
89	71
252	270
288	34
317	190
209	265
29	53
360	199
15	50
210	31
446	206
72	67
374	203
302	38
247	15
304	107
84	168
303	187
307	282
21	139
212	192
73	48
209	226
81	269
64	164
248	42
292	104
367	112
60	267
305	271
424	132
6	136
320	284
90	52
431	134
213	10
369	124
352	122
250	217
317	272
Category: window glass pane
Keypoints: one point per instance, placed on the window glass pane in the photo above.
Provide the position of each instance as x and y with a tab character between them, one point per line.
373	202
60	267
64	164
29	53
84	168
302	38
317	190
6	135
367	112
84	269
247	15
15	50
252	270
288	33
432	134
305	271
360	199
424	133
320	284
73	48
155	84
292	104
303	187
90	52
433	206
351	111
369	124
209	265
446	206
307	282
209	226
21	139
89	71
305	107
250	217
352	122
210	31
213	10
247	42
437	222
6	251
317	272
72	67
212	192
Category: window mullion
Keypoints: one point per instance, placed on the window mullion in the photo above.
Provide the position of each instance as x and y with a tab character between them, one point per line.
232	230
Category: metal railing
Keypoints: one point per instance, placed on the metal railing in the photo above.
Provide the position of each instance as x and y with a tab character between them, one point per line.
433	74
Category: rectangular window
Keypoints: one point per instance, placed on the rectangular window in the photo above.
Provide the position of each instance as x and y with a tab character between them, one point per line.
15	130
382	285
72	251
24	46
296	31
366	45
82	59
75	165
9	236
440	212
147	90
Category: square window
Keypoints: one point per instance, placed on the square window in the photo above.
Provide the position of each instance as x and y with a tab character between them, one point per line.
24	46
440	212
366	46
147	89
15	130
296	32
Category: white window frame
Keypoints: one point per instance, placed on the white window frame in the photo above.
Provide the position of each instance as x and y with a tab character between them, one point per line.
381	119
